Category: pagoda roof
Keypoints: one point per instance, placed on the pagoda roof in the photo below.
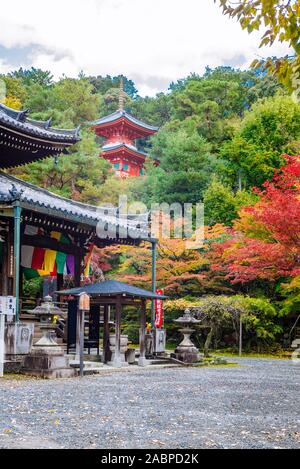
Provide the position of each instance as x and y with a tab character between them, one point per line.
123	116
125	146
40	200
24	140
110	150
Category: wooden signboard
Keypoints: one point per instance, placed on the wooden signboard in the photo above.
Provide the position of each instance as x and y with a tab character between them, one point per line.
11	262
159	311
6	212
84	302
7	307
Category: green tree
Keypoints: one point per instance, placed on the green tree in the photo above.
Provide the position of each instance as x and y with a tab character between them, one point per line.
278	20
77	98
291	294
155	111
103	84
222	204
69	102
34	76
260	318
269	130
109	102
15	92
186	163
253	84
210	103
79	175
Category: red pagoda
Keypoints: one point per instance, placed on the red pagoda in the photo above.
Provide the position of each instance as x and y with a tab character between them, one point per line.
121	130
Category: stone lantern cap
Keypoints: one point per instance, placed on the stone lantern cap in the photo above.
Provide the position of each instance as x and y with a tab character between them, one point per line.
47	309
187	318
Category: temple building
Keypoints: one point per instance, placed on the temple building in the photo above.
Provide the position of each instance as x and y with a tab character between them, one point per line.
45	235
121	130
34	220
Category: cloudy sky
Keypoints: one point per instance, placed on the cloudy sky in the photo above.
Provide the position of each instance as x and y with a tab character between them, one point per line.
153	42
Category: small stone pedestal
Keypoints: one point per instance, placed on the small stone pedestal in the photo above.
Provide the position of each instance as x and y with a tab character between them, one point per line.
149	345
118	358
130	356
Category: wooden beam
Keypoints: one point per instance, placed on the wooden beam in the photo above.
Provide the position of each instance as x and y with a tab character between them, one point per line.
57	214
48	243
112	301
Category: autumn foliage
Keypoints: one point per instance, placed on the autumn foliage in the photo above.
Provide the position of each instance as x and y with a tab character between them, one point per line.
265	240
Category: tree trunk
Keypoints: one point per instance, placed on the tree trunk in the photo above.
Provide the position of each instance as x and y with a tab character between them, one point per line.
208	343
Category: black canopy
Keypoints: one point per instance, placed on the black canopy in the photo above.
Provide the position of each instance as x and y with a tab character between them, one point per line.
113	288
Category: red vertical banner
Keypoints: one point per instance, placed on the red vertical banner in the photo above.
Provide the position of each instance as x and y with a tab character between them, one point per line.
159	311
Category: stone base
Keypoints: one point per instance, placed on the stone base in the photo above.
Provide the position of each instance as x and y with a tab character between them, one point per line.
143	362
130	356
188	357
52	374
187	354
48	363
118	364
13	365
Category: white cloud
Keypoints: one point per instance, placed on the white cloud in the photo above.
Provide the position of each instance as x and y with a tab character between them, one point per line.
4	67
140	38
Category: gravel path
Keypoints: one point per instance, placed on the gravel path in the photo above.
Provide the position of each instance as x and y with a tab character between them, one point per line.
255	405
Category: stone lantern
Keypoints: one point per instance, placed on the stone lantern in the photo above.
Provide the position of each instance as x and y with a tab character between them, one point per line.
46	313
186	351
47	358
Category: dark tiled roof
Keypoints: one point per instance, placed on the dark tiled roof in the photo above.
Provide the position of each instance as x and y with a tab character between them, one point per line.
12	189
19	120
118	115
112	288
23	140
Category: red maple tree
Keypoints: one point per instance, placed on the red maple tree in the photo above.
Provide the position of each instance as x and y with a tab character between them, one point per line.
265	241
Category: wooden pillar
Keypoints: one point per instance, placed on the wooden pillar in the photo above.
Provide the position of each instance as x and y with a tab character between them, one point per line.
5	266
79	332
118	318
79	262
21	292
106	348
142	359
59	285
17	257
154	279
10	260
